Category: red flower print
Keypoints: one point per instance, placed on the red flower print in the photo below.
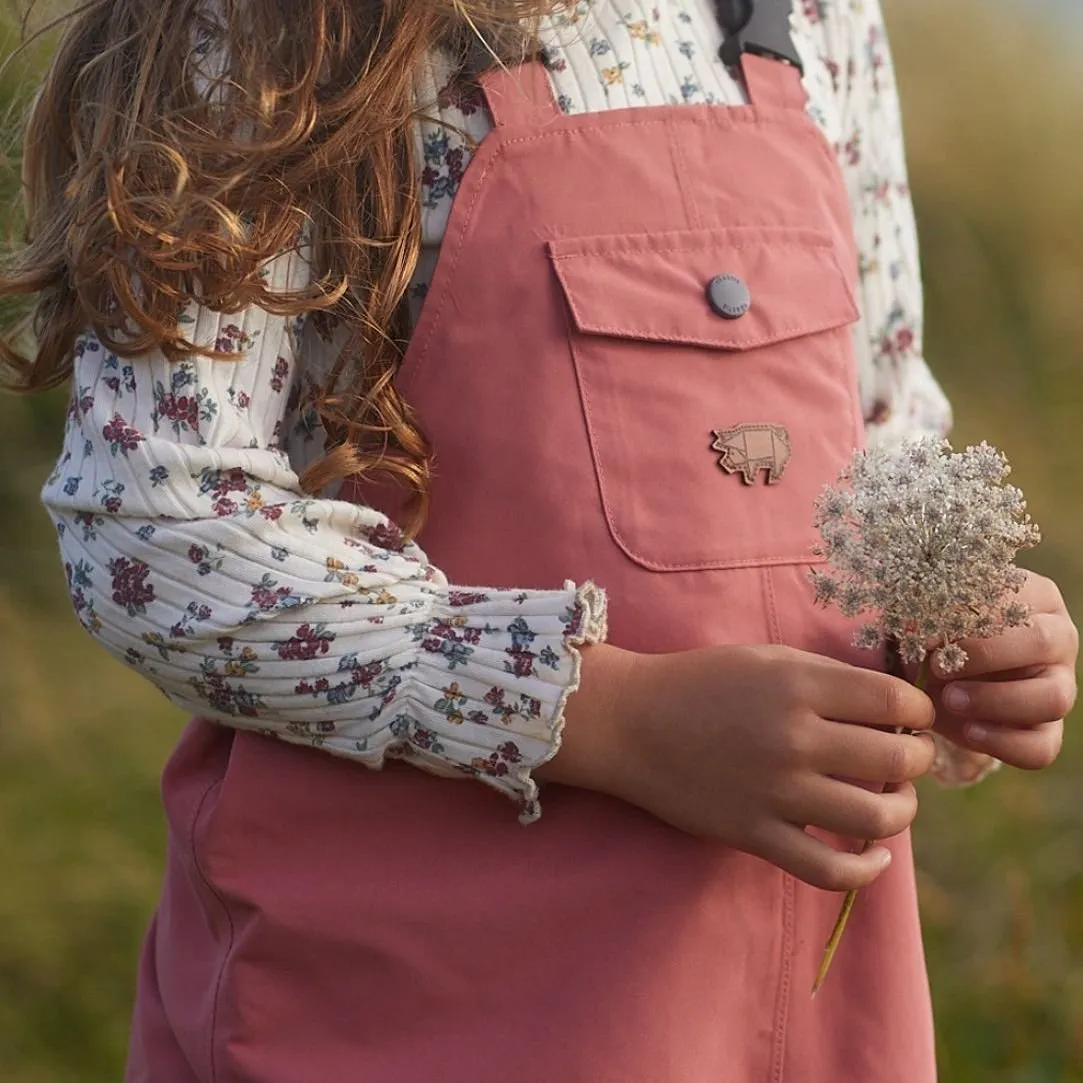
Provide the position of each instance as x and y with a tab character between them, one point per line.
386	536
308	688
305	644
195	613
121	436
422	738
182	410
230	481
230	339
81	403
494	767
229	699
466	597
130	587
219	483
266	598
454	160
443	629
510	751
460	95
522	664
279	374
366	674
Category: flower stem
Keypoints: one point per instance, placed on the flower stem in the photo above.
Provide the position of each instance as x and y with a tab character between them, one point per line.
922	679
848	903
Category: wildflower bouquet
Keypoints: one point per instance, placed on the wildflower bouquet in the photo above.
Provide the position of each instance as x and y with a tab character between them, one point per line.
923	540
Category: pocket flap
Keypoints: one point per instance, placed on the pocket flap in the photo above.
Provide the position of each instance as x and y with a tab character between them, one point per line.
654	286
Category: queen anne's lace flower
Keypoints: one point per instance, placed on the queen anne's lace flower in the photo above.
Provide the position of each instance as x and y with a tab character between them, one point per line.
924	538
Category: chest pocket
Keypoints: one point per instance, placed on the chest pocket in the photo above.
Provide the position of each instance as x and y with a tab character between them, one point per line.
717	379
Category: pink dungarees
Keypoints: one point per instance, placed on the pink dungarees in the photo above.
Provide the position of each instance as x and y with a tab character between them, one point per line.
594	417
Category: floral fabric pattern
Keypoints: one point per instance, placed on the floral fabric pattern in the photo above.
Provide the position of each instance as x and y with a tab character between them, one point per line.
193	556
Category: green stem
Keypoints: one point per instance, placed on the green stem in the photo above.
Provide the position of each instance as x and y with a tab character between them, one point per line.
836	933
848	903
922	679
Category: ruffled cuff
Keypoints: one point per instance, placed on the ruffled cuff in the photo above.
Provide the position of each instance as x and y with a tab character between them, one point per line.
957	767
494	671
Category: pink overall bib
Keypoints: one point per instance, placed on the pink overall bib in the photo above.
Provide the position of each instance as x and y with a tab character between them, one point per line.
635	364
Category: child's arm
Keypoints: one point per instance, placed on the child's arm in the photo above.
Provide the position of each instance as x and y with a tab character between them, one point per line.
193	556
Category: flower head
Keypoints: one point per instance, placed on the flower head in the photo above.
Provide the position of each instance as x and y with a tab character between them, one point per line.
924	539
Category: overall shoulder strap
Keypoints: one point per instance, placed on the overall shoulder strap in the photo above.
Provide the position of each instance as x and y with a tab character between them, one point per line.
758	31
520	96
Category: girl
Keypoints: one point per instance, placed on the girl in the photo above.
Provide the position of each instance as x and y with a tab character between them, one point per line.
538	511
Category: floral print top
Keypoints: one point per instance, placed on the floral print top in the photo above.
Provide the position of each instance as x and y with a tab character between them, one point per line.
193	556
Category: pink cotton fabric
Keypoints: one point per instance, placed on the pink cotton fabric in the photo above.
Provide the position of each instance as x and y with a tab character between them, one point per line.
323	923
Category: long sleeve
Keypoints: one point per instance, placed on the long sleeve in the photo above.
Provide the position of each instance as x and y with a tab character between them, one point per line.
193	556
901	398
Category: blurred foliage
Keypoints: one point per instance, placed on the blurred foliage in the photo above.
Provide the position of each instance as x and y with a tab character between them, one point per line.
995	133
995	128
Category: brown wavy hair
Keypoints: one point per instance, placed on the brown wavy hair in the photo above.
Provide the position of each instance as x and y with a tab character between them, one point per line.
175	147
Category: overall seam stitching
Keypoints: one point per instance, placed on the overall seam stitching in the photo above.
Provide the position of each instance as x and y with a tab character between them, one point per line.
778	1064
691	211
817	240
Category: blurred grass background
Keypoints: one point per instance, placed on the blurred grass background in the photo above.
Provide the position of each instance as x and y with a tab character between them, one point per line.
994	106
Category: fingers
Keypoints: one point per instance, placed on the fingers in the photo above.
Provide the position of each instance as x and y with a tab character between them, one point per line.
1048	639
849	810
1017	703
871	755
1041	593
798	853
1030	749
870	698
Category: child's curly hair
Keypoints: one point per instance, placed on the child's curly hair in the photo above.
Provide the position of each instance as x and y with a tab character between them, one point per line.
176	147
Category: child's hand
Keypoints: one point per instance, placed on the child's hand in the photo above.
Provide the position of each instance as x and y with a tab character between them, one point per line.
1016	687
751	745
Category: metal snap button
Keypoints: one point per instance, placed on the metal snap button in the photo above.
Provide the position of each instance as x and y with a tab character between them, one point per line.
728	296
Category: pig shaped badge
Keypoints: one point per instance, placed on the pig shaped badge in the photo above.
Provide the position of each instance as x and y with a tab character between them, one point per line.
748	449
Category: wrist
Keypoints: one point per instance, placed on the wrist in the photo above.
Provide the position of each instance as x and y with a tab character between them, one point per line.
591	751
